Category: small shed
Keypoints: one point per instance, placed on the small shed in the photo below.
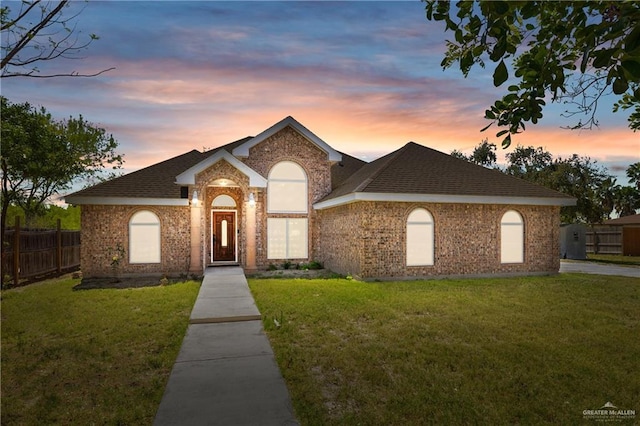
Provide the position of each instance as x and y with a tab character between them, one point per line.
573	241
630	233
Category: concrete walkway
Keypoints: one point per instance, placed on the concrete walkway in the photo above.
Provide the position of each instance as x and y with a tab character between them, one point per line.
599	268
225	373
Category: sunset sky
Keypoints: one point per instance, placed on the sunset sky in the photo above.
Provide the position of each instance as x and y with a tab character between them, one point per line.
363	76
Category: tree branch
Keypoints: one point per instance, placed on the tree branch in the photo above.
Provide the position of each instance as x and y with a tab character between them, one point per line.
71	74
29	35
9	24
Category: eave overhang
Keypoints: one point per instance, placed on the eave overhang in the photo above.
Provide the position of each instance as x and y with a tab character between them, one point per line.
125	201
441	198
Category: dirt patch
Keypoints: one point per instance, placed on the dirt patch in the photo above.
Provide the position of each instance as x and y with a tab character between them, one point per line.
294	273
124	282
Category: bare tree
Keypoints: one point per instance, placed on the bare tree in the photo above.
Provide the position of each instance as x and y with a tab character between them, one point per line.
37	32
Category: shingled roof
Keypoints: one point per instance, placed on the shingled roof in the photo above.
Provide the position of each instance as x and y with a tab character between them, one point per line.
158	181
430	175
412	173
154	182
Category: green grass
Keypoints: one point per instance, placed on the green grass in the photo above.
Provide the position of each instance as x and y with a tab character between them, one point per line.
92	356
614	258
529	350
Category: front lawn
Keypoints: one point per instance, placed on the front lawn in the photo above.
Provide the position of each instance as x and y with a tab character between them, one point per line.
489	351
614	258
91	356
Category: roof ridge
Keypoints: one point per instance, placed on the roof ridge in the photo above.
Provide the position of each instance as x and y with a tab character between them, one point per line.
392	156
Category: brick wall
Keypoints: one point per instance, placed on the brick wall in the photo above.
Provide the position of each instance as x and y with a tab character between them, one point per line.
105	227
341	240
289	145
368	239
222	170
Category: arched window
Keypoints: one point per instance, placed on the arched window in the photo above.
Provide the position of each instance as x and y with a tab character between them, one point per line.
420	236
223	201
512	238
287	189
144	238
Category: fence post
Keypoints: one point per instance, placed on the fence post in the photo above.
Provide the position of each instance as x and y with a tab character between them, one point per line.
16	253
59	248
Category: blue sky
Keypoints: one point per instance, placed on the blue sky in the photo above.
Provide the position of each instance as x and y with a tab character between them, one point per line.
363	76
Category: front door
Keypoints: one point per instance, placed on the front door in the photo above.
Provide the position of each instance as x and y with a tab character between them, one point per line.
223	236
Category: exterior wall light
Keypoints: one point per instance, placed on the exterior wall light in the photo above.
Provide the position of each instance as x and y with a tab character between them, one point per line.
194	198
252	200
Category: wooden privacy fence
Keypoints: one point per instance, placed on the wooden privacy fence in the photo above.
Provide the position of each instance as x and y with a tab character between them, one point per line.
31	253
604	240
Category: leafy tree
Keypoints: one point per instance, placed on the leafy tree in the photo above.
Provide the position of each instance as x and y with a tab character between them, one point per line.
583	179
579	177
633	173
528	162
626	200
606	193
484	154
37	32
69	217
42	156
570	51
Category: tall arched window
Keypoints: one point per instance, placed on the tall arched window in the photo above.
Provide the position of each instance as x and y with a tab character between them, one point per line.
144	238
287	189
512	238
420	236
287	237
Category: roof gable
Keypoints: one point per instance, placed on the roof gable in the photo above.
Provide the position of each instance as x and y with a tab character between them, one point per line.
188	177
243	149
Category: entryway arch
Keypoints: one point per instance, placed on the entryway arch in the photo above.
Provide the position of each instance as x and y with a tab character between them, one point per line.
224	229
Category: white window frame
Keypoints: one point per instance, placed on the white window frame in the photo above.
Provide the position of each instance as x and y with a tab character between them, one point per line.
512	237
420	237
282	229
144	238
277	187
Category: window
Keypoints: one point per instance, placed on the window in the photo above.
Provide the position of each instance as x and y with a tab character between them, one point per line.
287	238
223	201
420	237
512	238
144	238
287	189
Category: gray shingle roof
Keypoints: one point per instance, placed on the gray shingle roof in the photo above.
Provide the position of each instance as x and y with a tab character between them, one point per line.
155	181
415	169
345	168
412	169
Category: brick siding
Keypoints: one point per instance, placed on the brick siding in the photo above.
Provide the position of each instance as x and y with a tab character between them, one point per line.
368	239
104	227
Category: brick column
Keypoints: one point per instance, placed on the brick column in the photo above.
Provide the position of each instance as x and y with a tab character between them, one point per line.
196	266
251	236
